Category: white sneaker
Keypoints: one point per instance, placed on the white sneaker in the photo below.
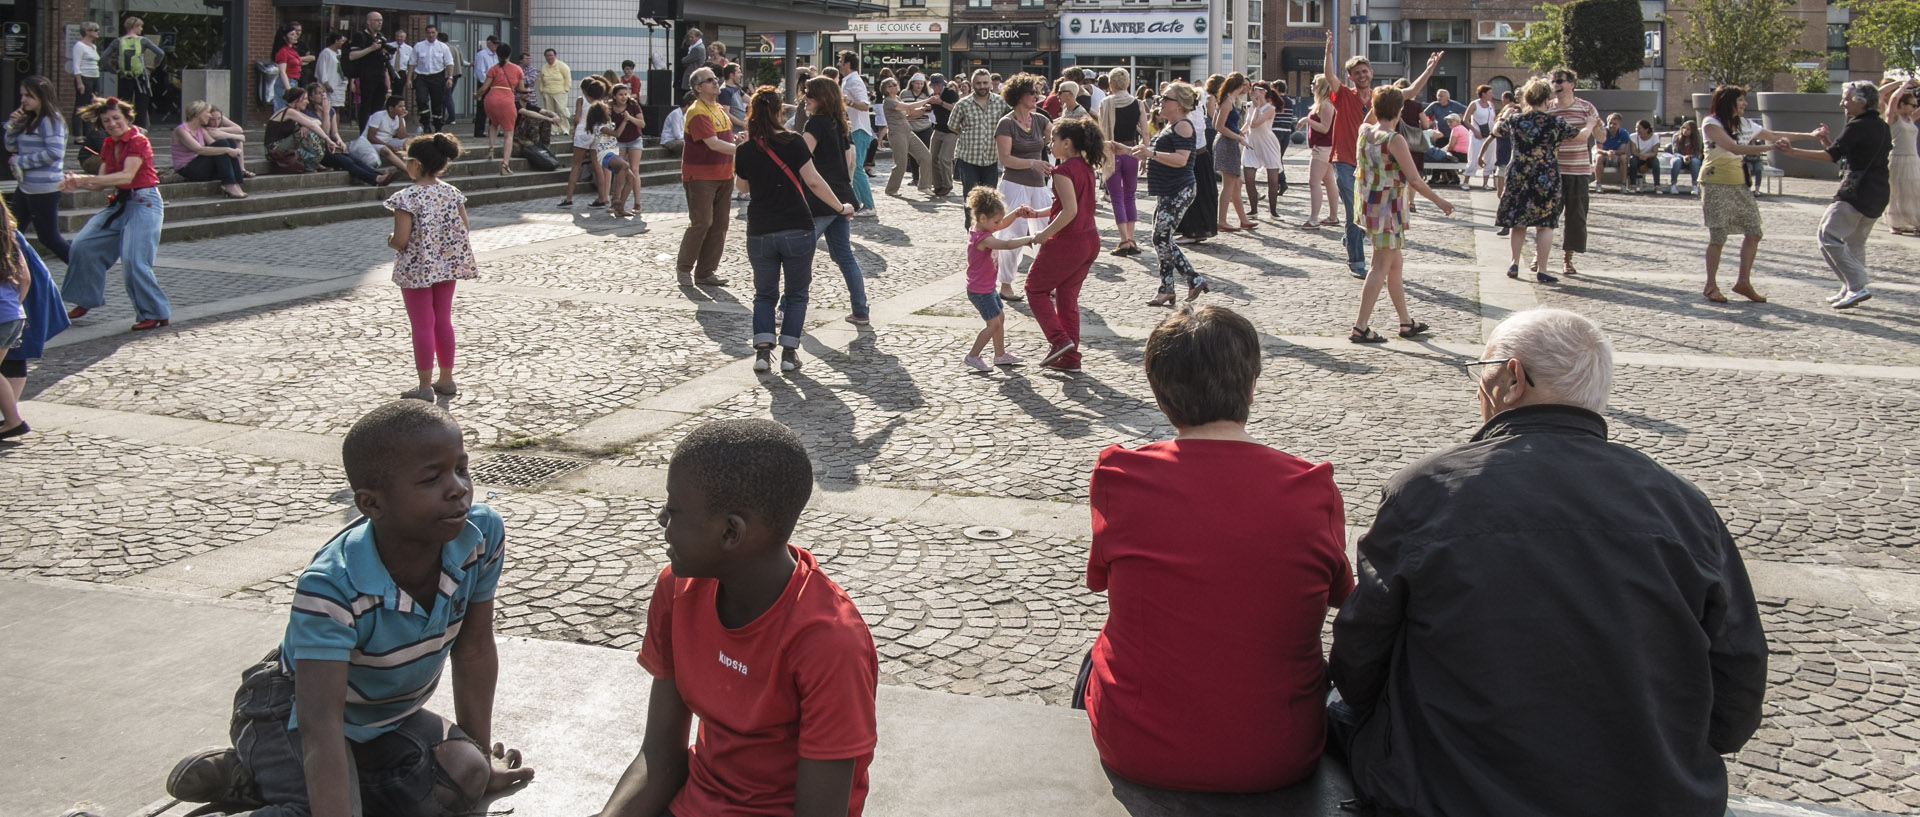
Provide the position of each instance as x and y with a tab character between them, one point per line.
1837	295
1009	360
975	363
1673	190
1852	299
864	212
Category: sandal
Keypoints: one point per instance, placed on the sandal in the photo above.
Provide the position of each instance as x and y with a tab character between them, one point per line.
1226	229
1408	330
1365	336
1566	267
1310	224
1748	292
1713	294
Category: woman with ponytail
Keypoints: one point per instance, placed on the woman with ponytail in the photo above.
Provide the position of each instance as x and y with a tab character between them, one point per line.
430	237
127	230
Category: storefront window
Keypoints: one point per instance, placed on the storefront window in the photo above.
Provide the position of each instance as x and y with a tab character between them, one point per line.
1305	13
186	39
1032	4
979	4
913	4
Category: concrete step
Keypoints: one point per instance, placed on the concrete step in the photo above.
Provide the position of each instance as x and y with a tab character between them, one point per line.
268	181
519	187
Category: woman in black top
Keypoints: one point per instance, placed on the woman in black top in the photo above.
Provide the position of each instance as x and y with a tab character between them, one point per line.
828	138
1202	219
1170	175
777	170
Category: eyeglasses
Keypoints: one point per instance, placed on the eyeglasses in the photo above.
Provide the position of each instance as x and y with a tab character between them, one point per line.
1479	377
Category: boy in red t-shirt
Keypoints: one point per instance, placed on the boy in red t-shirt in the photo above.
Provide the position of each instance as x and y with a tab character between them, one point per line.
745	631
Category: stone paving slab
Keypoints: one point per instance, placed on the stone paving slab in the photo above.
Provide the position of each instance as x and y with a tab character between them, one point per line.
319	364
125	507
184	287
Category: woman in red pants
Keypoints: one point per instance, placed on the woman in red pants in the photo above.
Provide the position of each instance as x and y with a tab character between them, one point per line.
1071	242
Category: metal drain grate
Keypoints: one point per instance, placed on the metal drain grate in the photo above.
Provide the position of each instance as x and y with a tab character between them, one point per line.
520	470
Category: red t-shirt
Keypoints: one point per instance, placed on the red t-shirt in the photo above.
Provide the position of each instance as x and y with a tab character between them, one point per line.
1349	111
289	60
1220	560
1051	106
1084	183
115	152
633	84
697	161
799	681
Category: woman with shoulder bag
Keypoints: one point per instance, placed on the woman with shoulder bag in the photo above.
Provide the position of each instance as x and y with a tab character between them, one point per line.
776	168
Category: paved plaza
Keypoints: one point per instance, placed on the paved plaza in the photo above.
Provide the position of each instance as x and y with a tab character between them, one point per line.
202	461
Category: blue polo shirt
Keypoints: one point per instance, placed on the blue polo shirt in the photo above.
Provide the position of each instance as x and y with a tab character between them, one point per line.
347	608
1616	140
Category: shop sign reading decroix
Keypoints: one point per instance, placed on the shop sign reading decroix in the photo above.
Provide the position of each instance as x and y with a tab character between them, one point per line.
1134	25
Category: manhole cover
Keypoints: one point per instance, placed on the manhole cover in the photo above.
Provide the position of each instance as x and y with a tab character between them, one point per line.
520	470
987	534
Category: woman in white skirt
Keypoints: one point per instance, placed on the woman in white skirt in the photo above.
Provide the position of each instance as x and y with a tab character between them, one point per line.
1022	138
1262	150
1480	119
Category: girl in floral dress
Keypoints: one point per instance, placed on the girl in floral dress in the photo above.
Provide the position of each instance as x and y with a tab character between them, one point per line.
1532	194
430	237
1385	161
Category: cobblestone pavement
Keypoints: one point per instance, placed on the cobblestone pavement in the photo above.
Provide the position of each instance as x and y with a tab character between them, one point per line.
1801	423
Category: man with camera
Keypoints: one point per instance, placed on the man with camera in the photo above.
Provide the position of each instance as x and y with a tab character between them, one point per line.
367	53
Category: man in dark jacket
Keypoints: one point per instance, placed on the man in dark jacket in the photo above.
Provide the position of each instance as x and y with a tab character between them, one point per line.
1546	622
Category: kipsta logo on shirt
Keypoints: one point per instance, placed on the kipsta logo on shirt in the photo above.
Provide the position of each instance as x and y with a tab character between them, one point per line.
733	664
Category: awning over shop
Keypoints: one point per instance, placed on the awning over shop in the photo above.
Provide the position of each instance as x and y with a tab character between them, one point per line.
421	6
777	15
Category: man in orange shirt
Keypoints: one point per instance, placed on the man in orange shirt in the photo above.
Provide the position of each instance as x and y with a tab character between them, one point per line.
706	173
1350	104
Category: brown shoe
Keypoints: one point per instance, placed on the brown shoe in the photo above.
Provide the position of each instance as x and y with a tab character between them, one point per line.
212	776
711	281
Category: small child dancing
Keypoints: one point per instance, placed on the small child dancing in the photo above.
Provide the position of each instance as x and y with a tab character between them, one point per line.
1069	243
990	216
433	251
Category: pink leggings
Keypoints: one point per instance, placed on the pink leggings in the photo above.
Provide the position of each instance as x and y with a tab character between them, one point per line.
430	310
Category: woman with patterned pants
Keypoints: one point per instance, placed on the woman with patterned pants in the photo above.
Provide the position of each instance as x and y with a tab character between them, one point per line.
1170	177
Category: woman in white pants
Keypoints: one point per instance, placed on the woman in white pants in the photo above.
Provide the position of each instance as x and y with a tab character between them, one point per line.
1022	138
1480	121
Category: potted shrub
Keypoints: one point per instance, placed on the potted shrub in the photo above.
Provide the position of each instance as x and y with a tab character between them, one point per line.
1747	43
1604	41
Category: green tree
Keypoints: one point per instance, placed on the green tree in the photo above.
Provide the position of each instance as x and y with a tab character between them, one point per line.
1738	42
1603	39
1538	50
1892	26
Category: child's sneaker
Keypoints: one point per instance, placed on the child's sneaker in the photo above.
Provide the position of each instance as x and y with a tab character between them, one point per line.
789	359
212	776
976	363
1009	360
763	360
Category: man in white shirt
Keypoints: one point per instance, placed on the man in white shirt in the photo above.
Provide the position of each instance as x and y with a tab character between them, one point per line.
83	62
483	61
1098	90
860	121
400	73
673	132
431	80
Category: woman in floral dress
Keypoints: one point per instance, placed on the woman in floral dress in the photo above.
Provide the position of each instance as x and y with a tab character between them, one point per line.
433	251
1532	196
1386	172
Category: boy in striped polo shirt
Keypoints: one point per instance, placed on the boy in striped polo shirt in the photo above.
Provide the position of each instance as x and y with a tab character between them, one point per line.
375	618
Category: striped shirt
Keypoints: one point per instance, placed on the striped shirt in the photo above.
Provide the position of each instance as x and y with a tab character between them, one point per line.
697	161
346	607
40	155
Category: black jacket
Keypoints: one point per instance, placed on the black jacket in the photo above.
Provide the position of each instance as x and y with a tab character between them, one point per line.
1548	623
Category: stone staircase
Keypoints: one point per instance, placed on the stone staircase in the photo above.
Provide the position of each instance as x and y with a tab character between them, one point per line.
198	210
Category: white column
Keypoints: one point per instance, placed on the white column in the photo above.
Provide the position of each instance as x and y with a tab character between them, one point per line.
1216	12
1241	8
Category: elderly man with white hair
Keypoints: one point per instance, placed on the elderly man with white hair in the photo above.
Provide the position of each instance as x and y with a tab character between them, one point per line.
1546	622
1865	144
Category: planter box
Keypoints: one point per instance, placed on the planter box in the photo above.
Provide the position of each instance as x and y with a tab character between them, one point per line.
1800	113
1632	106
1702	107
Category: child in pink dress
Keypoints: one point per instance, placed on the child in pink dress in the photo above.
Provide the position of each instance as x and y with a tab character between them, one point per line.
430	237
990	216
